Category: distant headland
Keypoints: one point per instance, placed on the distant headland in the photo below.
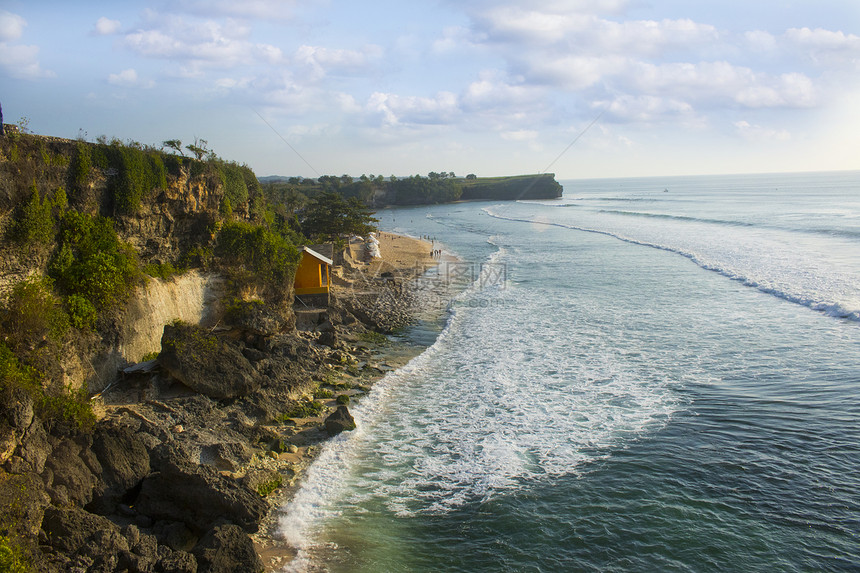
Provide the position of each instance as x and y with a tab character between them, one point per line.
377	191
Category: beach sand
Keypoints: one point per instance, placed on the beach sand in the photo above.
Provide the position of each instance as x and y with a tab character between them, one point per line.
401	255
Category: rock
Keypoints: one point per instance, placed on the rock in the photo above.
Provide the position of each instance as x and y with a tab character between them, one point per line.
227	549
339	421
257	318
8	442
205	363
23	501
176	536
178	562
35	447
199	496
71	531
74	480
125	460
17	408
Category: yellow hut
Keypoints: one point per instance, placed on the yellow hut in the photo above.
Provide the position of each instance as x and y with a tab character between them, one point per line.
312	277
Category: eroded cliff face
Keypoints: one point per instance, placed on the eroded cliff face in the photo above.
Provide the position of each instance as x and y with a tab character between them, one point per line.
174	222
194	297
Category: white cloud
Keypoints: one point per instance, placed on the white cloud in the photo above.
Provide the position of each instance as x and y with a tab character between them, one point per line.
394	109
19	61
826	47
261	9
492	90
323	61
572	71
760	40
648	109
106	27
204	43
11	26
758	133
129	79
714	82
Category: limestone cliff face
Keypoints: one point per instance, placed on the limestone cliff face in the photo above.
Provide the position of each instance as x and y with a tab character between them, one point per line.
195	298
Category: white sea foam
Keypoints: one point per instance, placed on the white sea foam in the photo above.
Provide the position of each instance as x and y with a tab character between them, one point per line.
791	266
501	397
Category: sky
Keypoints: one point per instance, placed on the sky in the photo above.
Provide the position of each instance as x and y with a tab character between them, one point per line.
579	88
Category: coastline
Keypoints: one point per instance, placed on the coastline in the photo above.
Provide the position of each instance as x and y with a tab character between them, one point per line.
404	257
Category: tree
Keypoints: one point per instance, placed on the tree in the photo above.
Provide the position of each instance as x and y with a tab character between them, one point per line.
174	144
330	215
200	148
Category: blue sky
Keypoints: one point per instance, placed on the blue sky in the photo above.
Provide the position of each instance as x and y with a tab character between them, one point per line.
491	87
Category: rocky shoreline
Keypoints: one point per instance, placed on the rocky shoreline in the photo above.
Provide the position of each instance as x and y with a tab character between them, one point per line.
195	451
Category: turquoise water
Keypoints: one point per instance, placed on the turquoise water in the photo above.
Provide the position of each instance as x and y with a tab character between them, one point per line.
645	375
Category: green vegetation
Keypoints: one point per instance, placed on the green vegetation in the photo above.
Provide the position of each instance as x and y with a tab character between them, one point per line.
323	393
343	399
262	254
267	487
33	227
33	320
304	409
419	190
162	270
331	215
92	263
373	337
51	404
134	171
13	558
543	186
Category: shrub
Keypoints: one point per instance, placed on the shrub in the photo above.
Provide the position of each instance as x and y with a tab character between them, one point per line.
92	262
267	255
33	317
82	313
13	558
305	409
268	487
80	167
161	270
61	404
235	187
134	171
34	223
343	399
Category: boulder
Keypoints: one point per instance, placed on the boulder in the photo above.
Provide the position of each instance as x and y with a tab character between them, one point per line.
257	318
227	549
205	363
339	421
125	460
73	477
198	496
178	562
73	530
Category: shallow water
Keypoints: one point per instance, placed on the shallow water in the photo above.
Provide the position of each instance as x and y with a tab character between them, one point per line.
629	379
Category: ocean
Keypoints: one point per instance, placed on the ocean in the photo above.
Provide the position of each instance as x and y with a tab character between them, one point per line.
655	374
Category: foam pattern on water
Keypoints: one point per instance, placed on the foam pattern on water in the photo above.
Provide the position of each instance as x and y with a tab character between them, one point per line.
502	397
797	267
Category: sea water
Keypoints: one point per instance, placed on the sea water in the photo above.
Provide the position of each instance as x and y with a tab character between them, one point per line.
644	375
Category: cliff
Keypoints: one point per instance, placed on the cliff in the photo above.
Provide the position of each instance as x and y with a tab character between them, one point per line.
543	186
111	254
154	389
